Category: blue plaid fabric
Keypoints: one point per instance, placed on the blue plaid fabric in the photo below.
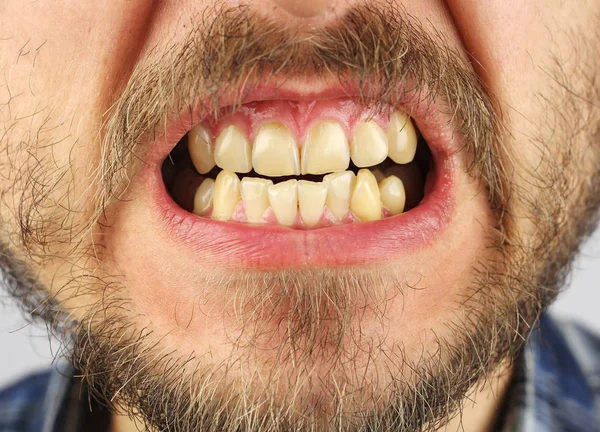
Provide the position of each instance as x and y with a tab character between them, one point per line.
556	387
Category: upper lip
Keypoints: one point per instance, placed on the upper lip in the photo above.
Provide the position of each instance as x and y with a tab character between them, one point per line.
268	246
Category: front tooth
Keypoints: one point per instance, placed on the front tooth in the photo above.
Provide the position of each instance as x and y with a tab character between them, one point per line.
255	197
275	152
226	195
366	202
393	196
283	198
325	149
201	152
232	150
311	198
369	145
204	197
339	191
402	138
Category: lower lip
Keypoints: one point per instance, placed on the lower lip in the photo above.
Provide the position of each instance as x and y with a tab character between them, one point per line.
273	247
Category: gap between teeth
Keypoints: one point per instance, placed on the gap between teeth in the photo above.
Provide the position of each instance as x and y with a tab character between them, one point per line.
339	198
275	152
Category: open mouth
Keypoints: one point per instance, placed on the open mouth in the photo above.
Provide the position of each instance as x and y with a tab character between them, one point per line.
303	165
306	179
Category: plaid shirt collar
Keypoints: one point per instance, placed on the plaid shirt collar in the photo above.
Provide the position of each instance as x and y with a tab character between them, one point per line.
556	386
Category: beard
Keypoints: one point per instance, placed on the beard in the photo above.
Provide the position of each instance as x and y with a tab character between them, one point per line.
310	347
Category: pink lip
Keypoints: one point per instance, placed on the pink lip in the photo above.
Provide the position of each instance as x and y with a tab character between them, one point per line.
274	247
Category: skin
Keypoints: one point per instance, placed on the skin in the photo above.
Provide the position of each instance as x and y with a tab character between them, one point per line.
63	64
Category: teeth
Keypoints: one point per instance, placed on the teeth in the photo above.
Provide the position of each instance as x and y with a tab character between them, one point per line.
366	202
226	195
369	145
204	197
339	191
232	150
275	152
325	149
255	197
402	138
392	194
412	179
311	198
201	152
283	198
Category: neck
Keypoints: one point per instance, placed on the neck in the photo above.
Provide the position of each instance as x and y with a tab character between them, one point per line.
482	406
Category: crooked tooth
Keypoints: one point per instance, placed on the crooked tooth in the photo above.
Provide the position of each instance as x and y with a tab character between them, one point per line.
226	195
402	138
325	149
369	145
412	179
201	151
203	198
311	199
255	197
366	202
283	198
339	191
275	152
393	196
232	150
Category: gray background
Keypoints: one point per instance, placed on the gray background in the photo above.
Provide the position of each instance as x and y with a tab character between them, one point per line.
25	348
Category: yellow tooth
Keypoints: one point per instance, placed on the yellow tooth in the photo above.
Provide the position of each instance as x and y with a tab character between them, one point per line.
255	197
366	202
325	149
201	152
369	145
402	138
204	197
275	152
226	195
339	191
392	194
232	150
412	179
311	199
283	198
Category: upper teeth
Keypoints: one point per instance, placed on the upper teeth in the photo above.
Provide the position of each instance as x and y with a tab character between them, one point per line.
325	150
232	150
274	151
402	138
369	146
201	150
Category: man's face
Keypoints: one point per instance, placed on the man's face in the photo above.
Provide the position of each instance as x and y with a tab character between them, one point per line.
195	299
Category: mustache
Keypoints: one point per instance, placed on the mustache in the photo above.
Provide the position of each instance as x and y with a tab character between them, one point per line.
379	48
